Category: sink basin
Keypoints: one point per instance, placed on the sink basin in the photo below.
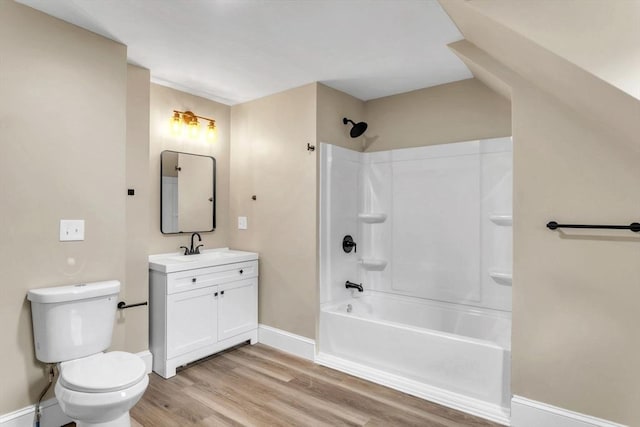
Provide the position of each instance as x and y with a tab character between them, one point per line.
213	255
172	262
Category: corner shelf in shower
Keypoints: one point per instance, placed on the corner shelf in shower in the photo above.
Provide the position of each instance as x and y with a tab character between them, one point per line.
372	264
501	278
501	219
372	217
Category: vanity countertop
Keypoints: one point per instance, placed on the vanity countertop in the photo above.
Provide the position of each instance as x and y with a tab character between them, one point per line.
177	261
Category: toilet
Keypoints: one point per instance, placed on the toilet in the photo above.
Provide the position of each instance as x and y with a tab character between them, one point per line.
72	326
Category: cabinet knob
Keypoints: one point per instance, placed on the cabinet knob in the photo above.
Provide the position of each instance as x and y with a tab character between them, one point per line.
193	280
222	293
241	271
215	295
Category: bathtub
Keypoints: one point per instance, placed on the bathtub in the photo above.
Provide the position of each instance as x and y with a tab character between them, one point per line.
455	355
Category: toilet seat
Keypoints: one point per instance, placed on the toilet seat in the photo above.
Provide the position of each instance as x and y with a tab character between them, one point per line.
102	372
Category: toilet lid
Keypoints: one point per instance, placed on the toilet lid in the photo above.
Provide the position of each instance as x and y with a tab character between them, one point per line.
103	372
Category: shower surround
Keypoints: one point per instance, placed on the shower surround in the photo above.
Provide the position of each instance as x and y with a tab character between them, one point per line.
433	232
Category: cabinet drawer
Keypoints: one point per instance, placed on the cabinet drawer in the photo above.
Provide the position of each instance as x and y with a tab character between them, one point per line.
211	276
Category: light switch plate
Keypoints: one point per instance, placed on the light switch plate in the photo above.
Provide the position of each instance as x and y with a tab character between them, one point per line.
242	223
71	230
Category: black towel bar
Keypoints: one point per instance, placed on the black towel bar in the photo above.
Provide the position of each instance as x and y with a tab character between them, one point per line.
634	226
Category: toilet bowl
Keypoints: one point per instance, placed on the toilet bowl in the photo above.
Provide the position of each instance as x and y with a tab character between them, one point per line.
72	327
99	390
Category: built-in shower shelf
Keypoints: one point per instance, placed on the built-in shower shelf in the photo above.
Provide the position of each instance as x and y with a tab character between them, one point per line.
500	219
501	278
372	217
373	264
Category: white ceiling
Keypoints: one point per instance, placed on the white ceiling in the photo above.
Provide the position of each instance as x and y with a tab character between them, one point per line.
233	51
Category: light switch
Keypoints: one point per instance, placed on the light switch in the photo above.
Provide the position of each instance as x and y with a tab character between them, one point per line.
242	223
71	230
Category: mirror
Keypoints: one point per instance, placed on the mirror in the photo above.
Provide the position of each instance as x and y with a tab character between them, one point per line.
187	193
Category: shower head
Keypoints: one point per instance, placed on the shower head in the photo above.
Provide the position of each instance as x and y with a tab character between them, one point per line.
357	129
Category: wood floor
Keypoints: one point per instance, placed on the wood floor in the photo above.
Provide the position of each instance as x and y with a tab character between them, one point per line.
260	386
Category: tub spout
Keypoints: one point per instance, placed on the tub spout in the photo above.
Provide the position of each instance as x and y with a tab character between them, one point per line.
349	284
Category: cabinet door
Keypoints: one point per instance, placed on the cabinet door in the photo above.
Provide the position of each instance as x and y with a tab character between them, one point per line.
191	320
237	308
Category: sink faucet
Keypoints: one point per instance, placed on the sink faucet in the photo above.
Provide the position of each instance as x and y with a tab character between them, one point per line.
349	284
195	251
192	250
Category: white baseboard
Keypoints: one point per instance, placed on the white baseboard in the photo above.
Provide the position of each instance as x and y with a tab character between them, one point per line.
443	397
287	342
52	416
530	413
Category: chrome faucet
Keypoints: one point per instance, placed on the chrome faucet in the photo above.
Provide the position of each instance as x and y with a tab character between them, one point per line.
349	284
192	250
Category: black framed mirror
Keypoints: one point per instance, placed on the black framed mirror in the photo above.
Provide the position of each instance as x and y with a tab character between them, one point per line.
187	192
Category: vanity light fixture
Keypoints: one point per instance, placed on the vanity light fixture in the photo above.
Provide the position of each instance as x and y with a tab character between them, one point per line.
188	121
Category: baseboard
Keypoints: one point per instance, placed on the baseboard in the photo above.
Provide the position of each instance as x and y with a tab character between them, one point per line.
52	416
457	401
530	413
147	358
287	342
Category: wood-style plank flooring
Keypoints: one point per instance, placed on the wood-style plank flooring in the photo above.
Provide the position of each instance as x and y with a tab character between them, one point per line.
260	386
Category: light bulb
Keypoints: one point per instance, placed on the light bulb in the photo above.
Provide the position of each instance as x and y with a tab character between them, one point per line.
175	123
194	128
211	130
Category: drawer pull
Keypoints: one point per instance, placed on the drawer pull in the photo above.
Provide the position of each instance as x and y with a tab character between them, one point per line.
241	271
193	280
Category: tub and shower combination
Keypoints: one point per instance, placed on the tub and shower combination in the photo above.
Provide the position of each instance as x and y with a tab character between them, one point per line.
432	227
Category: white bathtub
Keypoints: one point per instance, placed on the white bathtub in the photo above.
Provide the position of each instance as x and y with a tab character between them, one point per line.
455	355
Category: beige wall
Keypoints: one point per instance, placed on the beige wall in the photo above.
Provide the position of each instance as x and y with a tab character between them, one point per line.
63	133
575	319
137	210
163	101
575	340
453	112
269	159
332	106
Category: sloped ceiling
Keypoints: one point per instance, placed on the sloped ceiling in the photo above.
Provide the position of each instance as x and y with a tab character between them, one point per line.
532	63
599	36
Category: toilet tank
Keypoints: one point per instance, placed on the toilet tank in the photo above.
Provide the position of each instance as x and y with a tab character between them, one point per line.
73	321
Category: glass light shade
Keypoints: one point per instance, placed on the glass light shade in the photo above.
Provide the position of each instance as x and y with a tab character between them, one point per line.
194	128
211	131
175	124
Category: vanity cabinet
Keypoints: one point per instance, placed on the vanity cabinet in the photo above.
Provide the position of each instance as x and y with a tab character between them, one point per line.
197	312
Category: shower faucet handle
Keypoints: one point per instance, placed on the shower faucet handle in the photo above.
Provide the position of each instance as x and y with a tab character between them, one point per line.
348	244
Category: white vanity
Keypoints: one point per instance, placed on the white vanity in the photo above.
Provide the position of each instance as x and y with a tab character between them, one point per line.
200	304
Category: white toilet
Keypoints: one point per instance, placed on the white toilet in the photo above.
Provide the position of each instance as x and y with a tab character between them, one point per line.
72	326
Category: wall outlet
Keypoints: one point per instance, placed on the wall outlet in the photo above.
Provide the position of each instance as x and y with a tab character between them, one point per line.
242	223
71	230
